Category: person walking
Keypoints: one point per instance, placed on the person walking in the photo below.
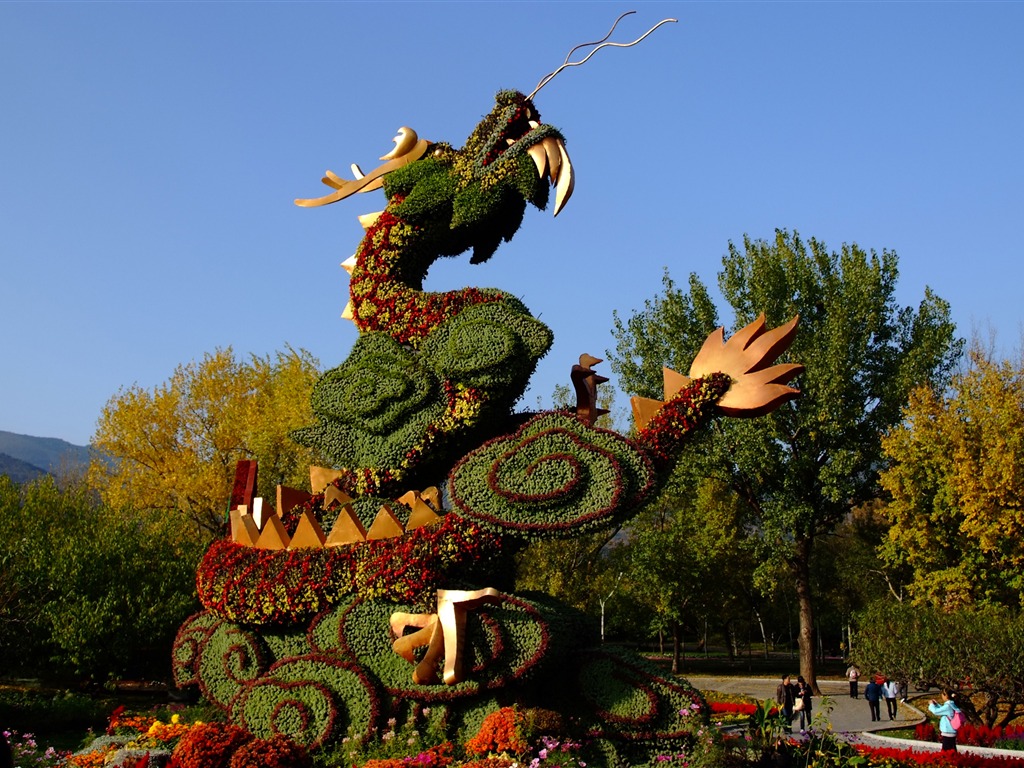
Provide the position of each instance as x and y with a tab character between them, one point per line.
873	693
950	719
890	692
802	702
853	675
784	697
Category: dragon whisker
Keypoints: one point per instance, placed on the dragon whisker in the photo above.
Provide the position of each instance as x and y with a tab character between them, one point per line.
600	44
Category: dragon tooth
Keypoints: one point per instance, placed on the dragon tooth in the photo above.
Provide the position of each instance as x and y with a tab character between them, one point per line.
566	180
357	171
554	158
540	158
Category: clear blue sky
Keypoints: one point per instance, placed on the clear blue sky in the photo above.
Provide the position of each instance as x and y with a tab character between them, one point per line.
150	152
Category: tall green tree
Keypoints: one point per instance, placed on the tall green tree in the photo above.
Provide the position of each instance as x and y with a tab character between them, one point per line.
933	646
681	558
956	488
89	590
800	470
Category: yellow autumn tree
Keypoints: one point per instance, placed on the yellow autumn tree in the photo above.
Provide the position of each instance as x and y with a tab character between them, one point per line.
956	482
174	447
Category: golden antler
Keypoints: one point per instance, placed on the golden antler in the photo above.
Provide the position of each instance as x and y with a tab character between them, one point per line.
408	148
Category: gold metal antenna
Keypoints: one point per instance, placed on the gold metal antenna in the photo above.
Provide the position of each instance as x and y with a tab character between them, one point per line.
600	44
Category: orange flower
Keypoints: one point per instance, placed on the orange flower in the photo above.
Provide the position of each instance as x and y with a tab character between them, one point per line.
499	733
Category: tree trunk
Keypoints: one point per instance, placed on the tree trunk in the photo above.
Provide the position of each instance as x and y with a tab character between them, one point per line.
802	576
676	647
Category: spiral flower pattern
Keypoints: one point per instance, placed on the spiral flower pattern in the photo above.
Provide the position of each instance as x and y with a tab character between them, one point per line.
311	699
230	658
188	645
492	347
554	475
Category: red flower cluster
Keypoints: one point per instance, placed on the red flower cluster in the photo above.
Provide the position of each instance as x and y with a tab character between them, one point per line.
219	745
383	302
275	752
974	735
691	407
262	586
209	745
910	758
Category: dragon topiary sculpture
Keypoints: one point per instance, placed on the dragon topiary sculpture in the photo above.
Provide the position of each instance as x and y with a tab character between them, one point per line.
405	602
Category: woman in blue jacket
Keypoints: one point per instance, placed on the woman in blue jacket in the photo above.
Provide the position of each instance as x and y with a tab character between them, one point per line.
946	711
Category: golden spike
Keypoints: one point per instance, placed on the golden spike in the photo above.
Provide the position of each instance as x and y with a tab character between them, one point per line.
385	526
321	477
367	220
308	534
274	535
348	529
334	495
644	409
247	532
674	382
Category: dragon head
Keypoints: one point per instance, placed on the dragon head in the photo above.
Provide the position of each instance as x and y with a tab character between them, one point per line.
501	142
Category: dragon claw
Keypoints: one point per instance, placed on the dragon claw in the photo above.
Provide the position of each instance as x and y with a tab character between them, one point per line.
758	387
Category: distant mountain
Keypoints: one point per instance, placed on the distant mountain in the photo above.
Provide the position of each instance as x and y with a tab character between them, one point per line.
19	471
49	454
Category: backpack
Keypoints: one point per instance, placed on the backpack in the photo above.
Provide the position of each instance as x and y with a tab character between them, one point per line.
956	720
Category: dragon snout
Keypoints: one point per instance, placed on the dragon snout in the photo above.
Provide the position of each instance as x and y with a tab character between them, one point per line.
552	160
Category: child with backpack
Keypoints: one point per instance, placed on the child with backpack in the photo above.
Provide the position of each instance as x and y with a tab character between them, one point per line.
950	719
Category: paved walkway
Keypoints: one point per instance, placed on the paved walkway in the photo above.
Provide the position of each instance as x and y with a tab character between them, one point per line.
849	717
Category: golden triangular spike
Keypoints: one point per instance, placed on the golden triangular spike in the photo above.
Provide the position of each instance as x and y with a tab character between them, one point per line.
308	534
347	529
368	219
385	526
290	498
421	515
248	533
433	497
644	409
334	495
674	382
274	535
321	477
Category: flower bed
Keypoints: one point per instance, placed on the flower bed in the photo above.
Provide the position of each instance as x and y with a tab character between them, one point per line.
894	758
1009	737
